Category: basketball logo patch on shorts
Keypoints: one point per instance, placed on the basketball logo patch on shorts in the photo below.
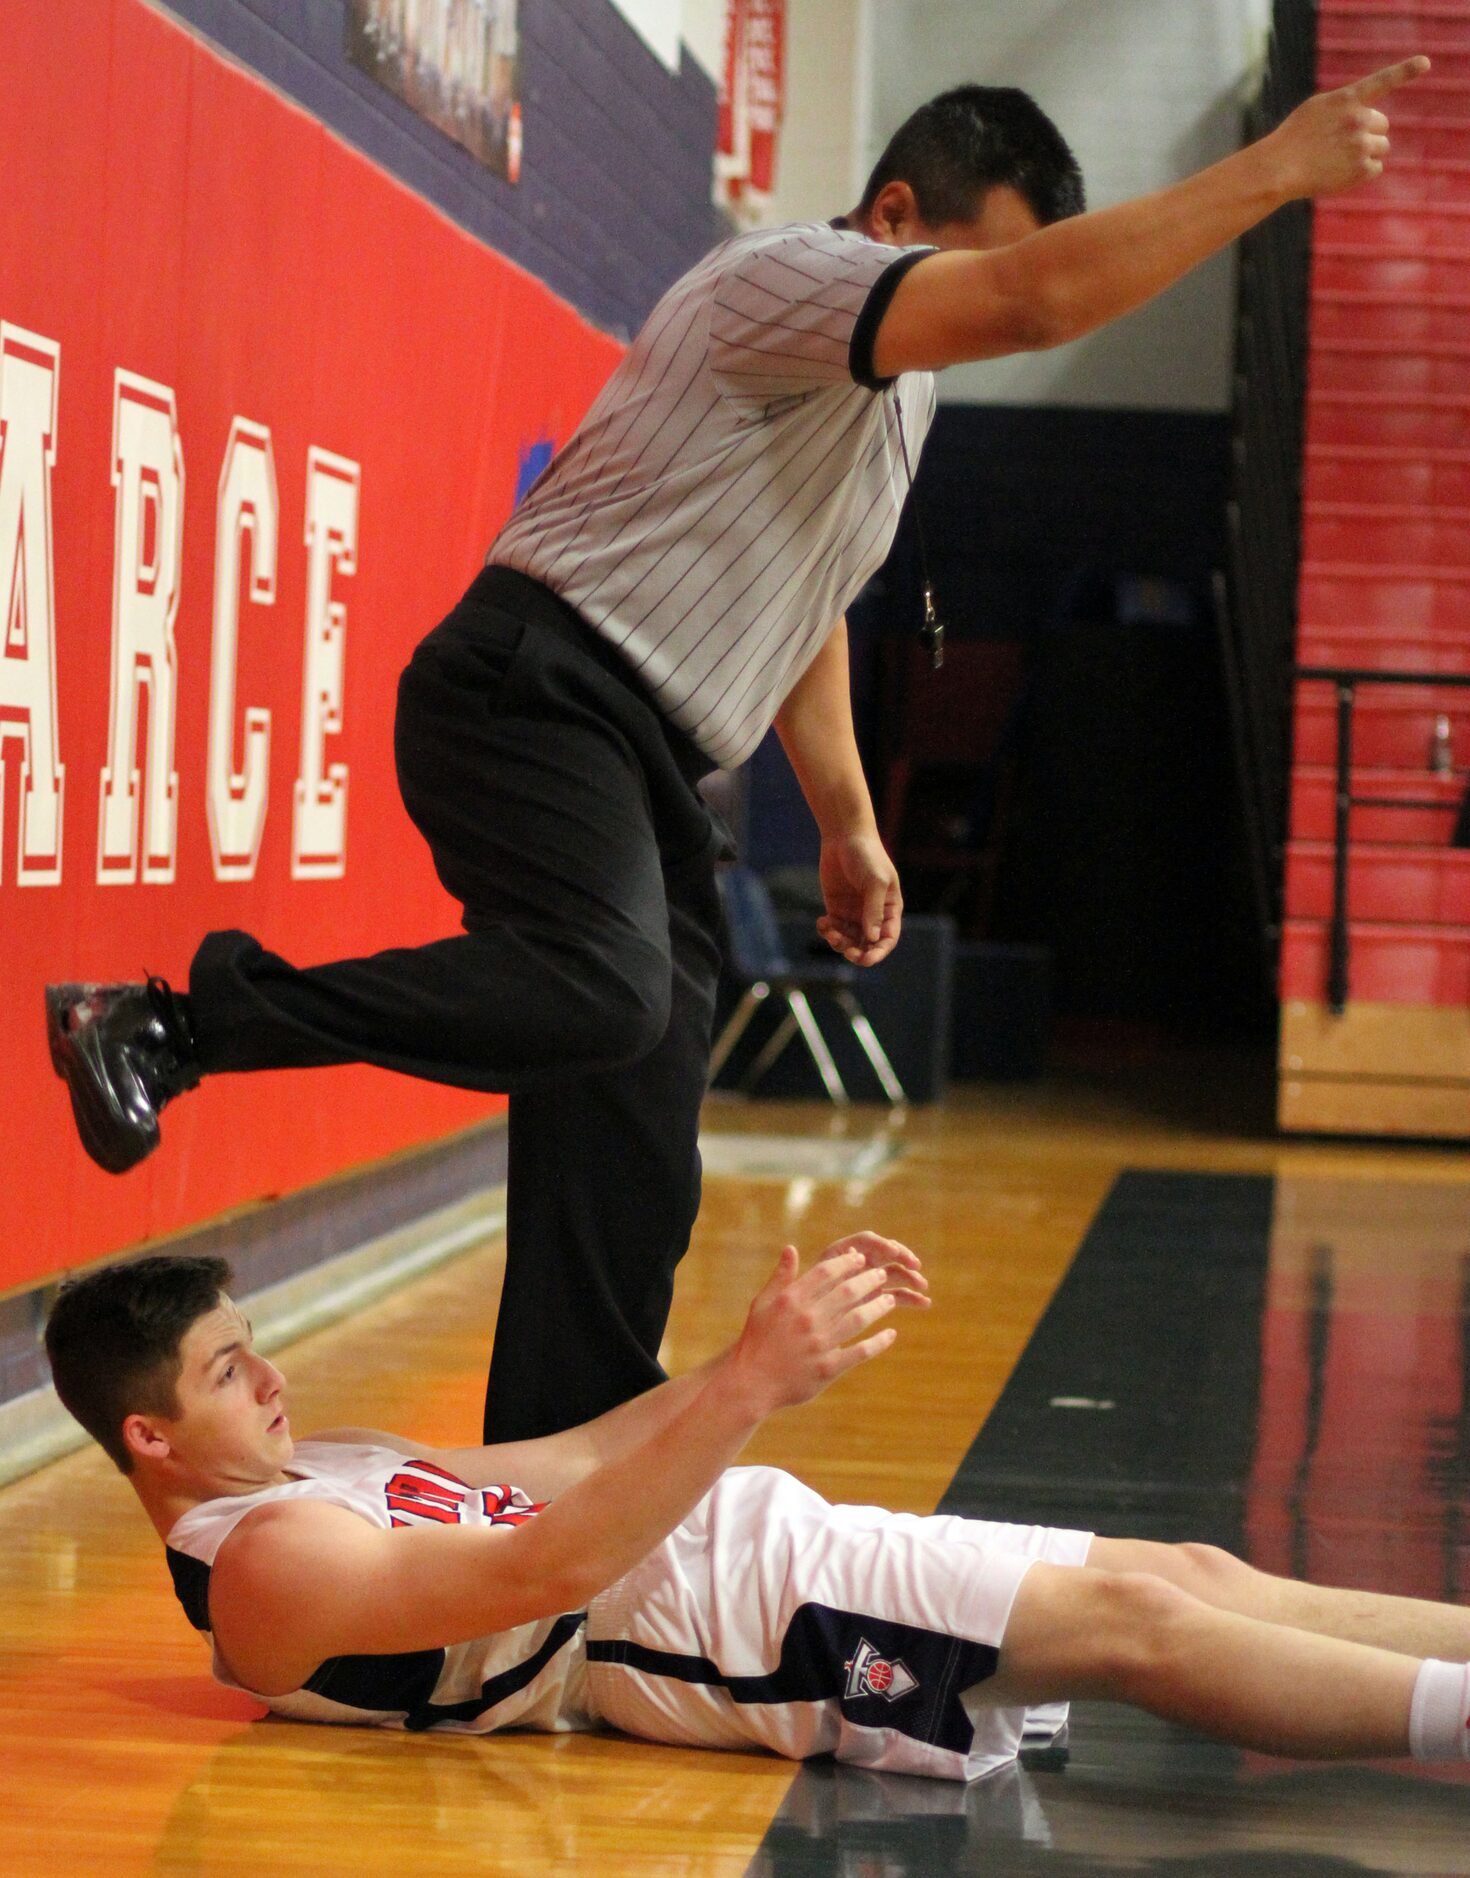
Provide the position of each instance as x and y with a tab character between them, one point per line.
871	1674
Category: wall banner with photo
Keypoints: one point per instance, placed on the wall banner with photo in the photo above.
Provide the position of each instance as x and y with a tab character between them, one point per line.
454	62
752	98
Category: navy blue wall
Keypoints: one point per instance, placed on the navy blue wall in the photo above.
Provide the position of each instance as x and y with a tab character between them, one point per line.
1121	846
1027	511
614	200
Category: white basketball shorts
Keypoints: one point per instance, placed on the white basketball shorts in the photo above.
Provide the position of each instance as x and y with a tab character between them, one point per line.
772	1619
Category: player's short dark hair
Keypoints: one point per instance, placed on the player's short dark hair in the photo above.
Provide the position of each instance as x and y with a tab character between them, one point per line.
113	1340
962	143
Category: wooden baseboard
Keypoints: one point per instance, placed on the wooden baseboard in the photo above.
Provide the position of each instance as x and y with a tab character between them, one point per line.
1377	1069
1404	1042
1333	1105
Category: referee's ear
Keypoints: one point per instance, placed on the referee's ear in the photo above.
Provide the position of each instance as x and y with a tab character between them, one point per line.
894	217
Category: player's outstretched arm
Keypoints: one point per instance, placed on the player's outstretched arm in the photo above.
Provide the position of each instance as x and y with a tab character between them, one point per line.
1078	274
297	1582
547	1466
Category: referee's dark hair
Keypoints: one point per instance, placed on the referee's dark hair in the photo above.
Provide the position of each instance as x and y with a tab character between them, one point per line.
113	1340
966	141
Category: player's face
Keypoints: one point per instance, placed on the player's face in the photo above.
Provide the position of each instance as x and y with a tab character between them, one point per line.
231	1426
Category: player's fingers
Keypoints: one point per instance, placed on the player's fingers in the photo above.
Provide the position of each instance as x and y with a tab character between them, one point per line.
851	1292
914	1282
863	1352
862	1317
871	1244
1380	84
788	1264
832	1317
830	1272
900	1262
894	1250
904	1273
890	1253
909	1276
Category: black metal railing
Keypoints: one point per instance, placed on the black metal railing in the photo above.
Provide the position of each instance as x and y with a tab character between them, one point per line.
1256	593
1347	679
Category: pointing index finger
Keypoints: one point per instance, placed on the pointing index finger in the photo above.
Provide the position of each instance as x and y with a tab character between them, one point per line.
1379	84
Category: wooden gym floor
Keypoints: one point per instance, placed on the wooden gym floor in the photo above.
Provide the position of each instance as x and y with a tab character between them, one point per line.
1282	1344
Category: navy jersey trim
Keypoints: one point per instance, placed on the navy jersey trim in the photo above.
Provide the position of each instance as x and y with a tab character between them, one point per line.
499	1688
387	1683
191	1586
865	331
817	1655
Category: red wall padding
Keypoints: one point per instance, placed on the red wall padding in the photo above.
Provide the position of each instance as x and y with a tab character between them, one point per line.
167	215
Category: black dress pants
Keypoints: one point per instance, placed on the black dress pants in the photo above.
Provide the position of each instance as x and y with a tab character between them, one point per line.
561	811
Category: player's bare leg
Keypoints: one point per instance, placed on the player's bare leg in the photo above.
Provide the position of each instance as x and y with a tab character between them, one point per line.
1411	1625
1133	1637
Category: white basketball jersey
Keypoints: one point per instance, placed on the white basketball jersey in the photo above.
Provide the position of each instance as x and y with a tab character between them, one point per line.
531	1677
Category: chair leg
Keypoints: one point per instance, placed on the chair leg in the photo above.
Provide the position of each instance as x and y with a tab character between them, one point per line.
735	1027
863	1030
769	1051
817	1044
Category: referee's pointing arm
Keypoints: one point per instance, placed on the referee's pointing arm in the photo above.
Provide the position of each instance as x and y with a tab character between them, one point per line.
1057	284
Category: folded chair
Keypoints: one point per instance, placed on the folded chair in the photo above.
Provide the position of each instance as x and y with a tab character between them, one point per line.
758	964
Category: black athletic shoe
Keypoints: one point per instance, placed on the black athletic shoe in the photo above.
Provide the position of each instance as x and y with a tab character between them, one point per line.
123	1051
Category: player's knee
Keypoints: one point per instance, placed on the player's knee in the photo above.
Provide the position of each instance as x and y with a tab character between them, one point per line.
1135	1621
1210	1571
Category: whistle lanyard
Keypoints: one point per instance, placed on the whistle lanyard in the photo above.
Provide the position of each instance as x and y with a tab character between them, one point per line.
931	631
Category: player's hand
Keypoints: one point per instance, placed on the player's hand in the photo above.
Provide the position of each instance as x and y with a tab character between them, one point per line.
907	1284
805	1329
1339	138
864	904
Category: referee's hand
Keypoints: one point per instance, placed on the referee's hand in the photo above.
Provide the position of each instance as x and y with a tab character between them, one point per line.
1339	138
864	902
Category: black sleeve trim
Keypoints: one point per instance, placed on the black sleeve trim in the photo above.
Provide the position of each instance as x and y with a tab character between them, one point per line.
865	332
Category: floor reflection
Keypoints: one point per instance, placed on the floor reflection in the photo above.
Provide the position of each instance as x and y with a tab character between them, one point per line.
288	1798
1184	1811
1362	1464
1288	1366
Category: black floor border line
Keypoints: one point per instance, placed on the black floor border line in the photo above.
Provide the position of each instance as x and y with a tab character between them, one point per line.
1158	1317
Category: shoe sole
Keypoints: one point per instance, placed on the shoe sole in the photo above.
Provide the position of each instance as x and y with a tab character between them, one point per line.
73	1064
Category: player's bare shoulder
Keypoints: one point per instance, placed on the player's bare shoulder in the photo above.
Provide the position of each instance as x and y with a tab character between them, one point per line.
277	1588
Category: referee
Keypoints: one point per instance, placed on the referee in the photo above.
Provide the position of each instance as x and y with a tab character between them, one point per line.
673	585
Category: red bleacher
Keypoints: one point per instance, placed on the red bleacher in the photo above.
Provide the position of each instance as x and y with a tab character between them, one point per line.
1385	586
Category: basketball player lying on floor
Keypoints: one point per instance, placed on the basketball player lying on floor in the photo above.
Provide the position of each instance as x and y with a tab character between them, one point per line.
624	1574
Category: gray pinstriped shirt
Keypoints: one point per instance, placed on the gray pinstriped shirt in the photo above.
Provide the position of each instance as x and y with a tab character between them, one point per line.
738	479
